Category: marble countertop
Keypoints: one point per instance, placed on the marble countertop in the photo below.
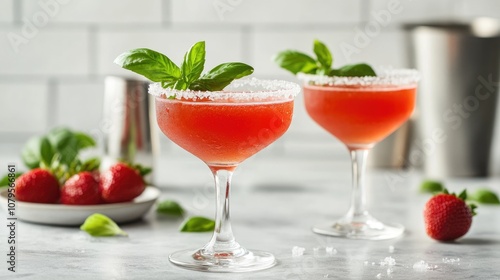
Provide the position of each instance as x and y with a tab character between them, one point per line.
274	204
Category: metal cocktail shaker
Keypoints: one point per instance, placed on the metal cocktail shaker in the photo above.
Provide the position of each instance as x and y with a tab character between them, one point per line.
457	95
129	123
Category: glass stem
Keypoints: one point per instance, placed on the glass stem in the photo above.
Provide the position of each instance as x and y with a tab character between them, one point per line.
222	243
358	212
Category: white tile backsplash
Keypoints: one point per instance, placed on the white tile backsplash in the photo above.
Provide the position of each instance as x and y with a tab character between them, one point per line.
66	47
414	11
481	8
23	107
46	52
96	11
80	105
6	10
221	46
265	12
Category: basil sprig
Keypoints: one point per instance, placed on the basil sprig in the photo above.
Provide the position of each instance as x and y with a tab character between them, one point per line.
298	62
158	67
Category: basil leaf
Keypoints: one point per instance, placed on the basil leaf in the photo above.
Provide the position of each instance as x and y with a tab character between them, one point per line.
84	141
180	85
431	187
323	54
485	196
101	225
296	62
354	70
151	64
37	150
194	62
221	76
5	179
170	207
198	224
65	144
31	153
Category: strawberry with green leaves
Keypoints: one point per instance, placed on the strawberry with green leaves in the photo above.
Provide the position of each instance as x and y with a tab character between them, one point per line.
122	182
81	189
38	186
447	216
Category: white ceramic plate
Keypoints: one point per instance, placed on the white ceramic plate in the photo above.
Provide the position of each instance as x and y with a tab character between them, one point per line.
73	215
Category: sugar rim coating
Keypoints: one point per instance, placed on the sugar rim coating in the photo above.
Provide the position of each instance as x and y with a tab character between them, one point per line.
387	77
267	89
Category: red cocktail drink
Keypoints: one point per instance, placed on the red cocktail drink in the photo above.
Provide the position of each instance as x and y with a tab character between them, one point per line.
360	111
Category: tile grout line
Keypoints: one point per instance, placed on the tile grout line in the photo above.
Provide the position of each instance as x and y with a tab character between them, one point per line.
92	49
52	103
17	8
166	13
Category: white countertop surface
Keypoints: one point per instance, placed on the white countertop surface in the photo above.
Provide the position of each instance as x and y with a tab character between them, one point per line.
274	204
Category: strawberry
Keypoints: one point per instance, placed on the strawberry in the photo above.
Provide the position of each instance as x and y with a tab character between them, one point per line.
122	182
81	189
37	185
447	216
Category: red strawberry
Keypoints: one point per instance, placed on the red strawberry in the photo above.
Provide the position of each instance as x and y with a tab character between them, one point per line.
447	217
81	189
37	185
120	183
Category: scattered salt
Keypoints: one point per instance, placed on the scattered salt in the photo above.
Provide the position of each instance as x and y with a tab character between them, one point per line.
373	263
331	250
366	262
297	251
422	266
379	276
389	261
389	271
391	249
452	260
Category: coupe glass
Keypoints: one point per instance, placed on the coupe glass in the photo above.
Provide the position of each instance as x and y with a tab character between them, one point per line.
360	111
223	129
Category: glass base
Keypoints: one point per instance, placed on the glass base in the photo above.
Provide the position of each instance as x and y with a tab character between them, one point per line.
370	229
249	261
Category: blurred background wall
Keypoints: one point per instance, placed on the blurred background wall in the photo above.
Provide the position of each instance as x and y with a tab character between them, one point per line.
55	54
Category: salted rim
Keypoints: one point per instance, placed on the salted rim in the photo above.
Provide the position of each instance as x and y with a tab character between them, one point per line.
386	77
275	89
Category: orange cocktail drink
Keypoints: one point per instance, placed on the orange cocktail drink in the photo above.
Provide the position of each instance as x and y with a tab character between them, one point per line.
359	116
223	128
223	132
360	112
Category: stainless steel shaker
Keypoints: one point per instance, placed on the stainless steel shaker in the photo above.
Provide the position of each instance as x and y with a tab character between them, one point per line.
129	123
457	95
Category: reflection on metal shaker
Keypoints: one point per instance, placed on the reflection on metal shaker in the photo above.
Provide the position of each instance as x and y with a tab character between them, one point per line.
457	96
129	118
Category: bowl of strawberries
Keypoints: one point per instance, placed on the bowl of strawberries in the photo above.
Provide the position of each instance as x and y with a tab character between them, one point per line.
62	189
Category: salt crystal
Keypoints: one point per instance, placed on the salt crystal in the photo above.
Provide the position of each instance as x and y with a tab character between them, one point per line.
389	271
389	261
373	263
366	262
391	249
421	266
297	251
316	250
379	276
451	260
330	250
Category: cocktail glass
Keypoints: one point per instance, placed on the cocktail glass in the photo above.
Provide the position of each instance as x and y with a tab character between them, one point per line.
360	111
223	129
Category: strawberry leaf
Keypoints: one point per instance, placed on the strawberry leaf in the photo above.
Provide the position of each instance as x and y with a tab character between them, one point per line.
463	195
473	208
432	187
